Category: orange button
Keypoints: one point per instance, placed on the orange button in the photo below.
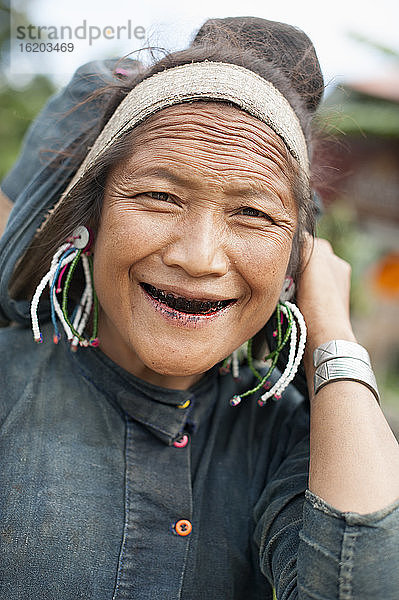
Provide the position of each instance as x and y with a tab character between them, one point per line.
183	527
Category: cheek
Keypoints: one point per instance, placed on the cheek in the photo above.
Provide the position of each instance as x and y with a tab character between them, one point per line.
264	271
114	247
124	238
267	260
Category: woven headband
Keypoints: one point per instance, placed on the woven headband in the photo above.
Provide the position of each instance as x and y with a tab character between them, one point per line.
202	81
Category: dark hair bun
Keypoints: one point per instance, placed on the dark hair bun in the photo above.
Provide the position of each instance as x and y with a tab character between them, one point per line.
287	47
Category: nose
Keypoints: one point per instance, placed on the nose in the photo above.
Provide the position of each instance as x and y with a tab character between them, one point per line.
198	248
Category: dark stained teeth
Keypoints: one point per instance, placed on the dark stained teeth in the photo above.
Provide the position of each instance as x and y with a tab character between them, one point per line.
183	304
180	304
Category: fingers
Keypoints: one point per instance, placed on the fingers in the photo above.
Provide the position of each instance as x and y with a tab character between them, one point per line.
320	250
324	290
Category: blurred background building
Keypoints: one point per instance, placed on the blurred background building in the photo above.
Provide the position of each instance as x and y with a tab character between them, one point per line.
361	196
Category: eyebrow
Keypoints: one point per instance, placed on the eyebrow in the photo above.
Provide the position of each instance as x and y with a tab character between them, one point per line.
242	191
162	173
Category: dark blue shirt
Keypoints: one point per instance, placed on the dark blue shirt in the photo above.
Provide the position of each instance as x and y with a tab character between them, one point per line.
101	498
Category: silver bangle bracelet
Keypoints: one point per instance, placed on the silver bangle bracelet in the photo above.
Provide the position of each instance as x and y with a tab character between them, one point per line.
340	349
345	368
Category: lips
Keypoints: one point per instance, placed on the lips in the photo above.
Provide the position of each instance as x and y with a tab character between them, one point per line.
186	305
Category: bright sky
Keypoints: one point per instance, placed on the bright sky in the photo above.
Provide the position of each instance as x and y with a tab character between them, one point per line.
172	23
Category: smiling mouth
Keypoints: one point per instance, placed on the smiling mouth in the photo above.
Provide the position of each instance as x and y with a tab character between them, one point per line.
185	305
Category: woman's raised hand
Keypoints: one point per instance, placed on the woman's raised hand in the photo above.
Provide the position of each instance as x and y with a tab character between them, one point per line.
323	294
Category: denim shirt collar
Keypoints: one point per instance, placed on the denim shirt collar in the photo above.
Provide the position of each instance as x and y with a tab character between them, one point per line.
167	413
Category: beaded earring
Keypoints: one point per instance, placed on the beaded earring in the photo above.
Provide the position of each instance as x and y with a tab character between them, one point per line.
288	315
67	256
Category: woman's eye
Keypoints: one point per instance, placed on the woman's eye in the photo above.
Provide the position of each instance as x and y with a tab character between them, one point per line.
163	196
253	212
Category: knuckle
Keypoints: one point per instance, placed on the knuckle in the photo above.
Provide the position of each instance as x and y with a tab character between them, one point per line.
344	264
324	246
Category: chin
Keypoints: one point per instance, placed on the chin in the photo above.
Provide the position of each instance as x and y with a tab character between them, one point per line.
175	363
180	367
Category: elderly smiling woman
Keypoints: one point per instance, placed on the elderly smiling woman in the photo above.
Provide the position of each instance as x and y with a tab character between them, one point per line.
146	454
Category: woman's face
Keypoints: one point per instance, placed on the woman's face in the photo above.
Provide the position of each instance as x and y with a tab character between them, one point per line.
194	241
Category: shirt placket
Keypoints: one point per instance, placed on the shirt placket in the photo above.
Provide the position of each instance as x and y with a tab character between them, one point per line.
158	516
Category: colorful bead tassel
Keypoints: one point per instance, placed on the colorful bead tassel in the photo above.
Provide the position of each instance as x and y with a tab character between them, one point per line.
65	261
295	323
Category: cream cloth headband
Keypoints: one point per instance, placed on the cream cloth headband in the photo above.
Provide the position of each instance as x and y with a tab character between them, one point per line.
202	81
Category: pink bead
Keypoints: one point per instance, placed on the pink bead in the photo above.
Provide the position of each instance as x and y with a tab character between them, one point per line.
120	71
181	442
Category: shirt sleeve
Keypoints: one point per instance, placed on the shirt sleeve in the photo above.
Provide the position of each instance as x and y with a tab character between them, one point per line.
348	555
309	550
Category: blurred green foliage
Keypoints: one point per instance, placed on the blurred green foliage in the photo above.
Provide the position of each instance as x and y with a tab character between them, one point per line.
20	100
18	109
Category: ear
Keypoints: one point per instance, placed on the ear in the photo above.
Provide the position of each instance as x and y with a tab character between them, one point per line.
288	289
260	346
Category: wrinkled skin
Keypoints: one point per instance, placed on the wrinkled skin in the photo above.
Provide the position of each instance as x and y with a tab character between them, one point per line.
201	208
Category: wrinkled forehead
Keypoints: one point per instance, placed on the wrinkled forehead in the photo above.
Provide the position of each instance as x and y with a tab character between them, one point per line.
222	128
211	117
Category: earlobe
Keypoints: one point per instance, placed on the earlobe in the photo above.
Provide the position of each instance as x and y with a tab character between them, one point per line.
288	289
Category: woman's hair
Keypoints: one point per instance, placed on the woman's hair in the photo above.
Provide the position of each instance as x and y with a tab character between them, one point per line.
277	52
286	47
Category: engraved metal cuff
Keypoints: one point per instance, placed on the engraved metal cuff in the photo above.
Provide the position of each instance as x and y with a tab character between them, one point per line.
345	368
339	349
